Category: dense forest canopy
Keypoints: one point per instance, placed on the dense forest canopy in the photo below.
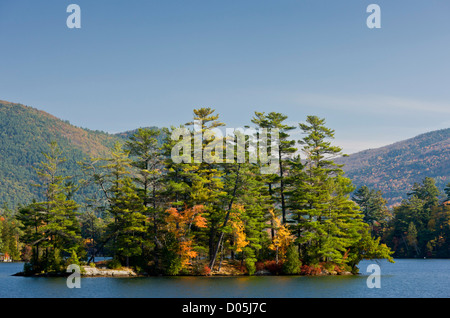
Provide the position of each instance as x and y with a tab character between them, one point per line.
192	217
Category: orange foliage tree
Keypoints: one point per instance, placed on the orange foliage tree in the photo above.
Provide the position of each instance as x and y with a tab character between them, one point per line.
180	224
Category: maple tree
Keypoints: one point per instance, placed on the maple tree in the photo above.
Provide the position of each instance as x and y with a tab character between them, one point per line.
181	223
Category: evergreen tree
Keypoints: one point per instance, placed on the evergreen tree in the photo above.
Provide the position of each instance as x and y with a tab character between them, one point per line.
328	223
417	210
427	192
204	176
55	224
31	223
286	148
313	191
126	207
374	209
292	265
147	159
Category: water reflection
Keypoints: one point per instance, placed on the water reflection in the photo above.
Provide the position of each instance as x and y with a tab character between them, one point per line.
405	278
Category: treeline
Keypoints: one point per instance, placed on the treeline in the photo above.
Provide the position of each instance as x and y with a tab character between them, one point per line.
162	216
418	227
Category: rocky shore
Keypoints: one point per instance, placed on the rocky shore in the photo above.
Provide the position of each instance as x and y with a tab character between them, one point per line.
103	272
87	271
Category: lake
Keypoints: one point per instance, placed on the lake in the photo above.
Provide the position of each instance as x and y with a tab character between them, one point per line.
406	278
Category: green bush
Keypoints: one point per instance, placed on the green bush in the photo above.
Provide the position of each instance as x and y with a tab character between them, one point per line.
73	259
250	265
292	265
114	264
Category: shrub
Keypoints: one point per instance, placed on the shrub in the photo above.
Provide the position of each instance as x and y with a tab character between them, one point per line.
250	266
206	270
314	269
259	266
273	267
292	265
114	264
73	259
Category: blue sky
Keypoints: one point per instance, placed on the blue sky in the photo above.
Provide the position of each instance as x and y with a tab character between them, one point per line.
143	63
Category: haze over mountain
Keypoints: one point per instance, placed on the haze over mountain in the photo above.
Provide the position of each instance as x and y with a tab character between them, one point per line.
25	133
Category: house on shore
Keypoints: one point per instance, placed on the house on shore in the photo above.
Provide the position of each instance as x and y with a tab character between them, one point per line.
4	257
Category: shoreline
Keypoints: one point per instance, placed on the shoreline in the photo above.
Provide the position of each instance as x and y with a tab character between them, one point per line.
93	272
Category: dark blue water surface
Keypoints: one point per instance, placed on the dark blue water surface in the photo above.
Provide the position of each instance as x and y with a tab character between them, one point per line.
424	278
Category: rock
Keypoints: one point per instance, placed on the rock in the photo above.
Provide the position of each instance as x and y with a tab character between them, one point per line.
95	272
91	271
262	272
345	273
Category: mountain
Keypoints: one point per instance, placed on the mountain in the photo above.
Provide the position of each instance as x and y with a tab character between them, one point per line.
25	133
393	169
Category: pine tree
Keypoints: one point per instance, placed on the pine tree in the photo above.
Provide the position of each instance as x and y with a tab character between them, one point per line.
416	209
427	192
52	224
31	223
147	159
204	176
373	206
286	148
244	187
328	223
292	265
124	205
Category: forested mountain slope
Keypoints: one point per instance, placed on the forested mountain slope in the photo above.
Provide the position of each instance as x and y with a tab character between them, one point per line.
393	169
25	133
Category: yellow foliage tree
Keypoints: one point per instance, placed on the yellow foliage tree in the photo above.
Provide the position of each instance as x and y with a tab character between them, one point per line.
237	226
282	239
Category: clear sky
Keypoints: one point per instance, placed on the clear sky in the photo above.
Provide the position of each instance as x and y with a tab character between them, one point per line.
149	63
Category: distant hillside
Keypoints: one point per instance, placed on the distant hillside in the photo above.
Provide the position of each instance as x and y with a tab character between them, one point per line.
393	169
127	134
25	133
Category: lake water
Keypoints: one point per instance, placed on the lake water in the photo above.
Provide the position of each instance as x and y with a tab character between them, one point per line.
424	278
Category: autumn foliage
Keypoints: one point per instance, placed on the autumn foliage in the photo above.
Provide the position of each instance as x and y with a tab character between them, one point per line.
180	224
